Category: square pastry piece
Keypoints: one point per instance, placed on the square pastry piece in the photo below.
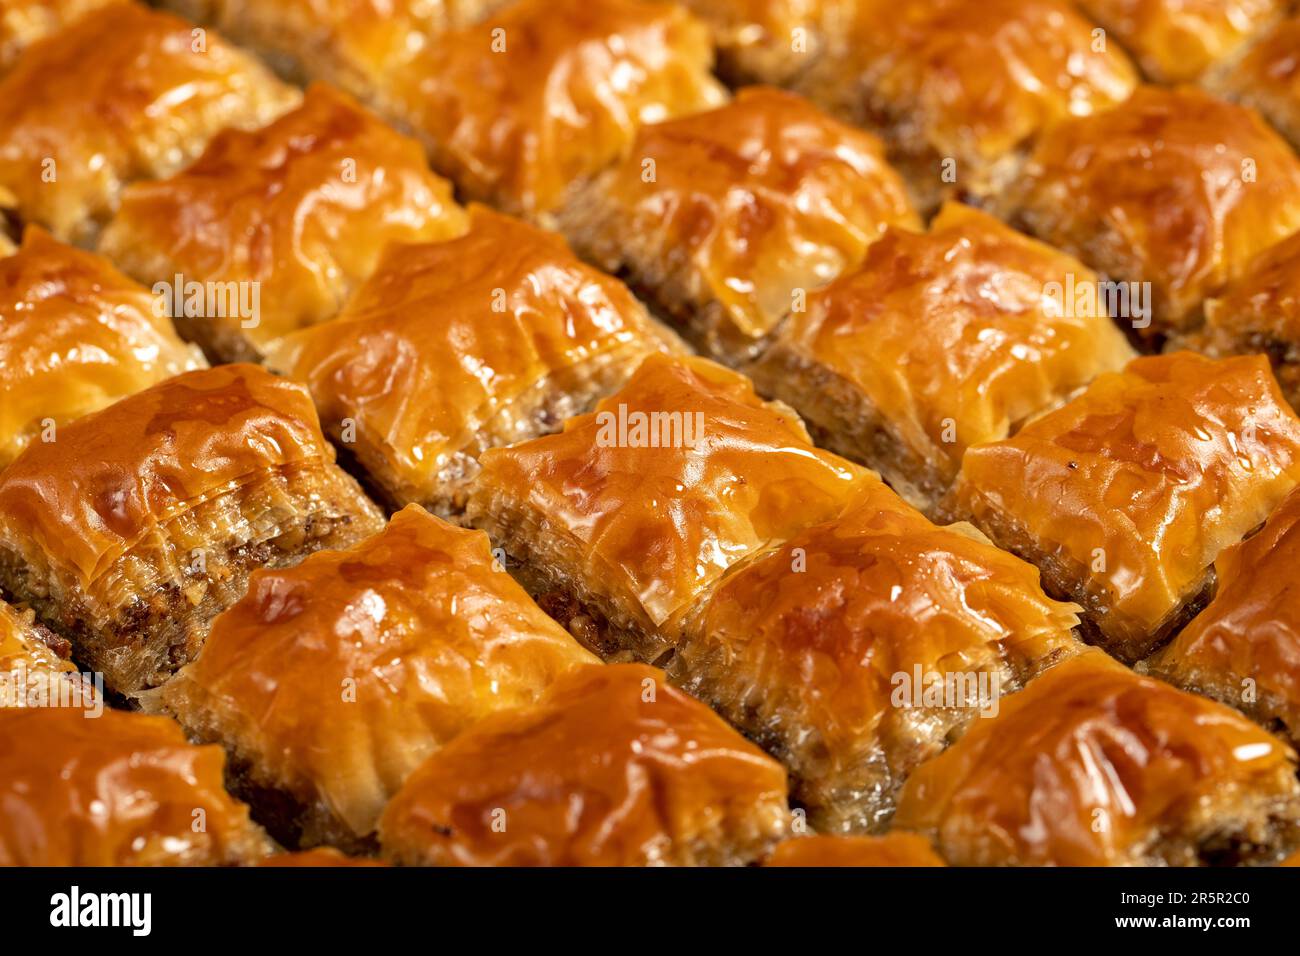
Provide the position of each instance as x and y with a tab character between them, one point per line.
452	348
284	222
75	335
546	93
23	22
726	219
393	647
141	522
627	517
122	789
961	88
1169	196
1093	765
124	93
938	342
894	849
1266	75
611	768
862	646
1126	495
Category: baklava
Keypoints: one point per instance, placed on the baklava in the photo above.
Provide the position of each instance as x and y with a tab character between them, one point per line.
1093	765
937	342
142	521
1266	75
1126	495
770	41
726	219
612	767
452	348
894	849
34	667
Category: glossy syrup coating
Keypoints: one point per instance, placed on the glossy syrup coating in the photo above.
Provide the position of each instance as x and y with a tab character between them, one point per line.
1174	188
302	208
453	347
1093	765
519	107
122	789
893	849
770	41
1266	75
124	93
841	650
612	768
728	217
1127	494
75	336
23	22
393	647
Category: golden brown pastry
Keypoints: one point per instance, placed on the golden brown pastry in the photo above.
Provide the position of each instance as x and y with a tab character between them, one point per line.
122	789
862	646
893	849
1093	765
544	94
727	219
35	670
770	41
1170	195
293	217
23	22
75	335
124	93
1125	496
631	513
321	856
961	88
1266	75
611	768
938	342
455	347
142	521
393	647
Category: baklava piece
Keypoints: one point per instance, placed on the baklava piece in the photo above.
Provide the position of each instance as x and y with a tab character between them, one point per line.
34	666
23	22
124	93
122	789
284	222
1266	75
75	336
452	348
770	41
519	108
612	767
1168	196
623	520
1126	496
726	219
142	521
393	647
1093	765
938	342
862	646
894	849
961	88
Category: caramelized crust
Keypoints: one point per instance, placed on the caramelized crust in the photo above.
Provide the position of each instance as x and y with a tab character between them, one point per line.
119	790
1266	75
634	511
770	41
299	210
23	22
1126	495
894	849
1093	765
1174	188
500	334
747	207
546	93
393	647
612	768
939	342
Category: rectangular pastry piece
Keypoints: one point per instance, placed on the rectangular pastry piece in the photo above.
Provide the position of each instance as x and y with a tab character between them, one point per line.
1266	75
270	231
893	849
393	647
961	88
35	670
517	109
860	647
726	219
1126	496
627	517
75	336
938	342
23	22
142	521
1093	765
612	767
123	93
455	347
1169	195
123	789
